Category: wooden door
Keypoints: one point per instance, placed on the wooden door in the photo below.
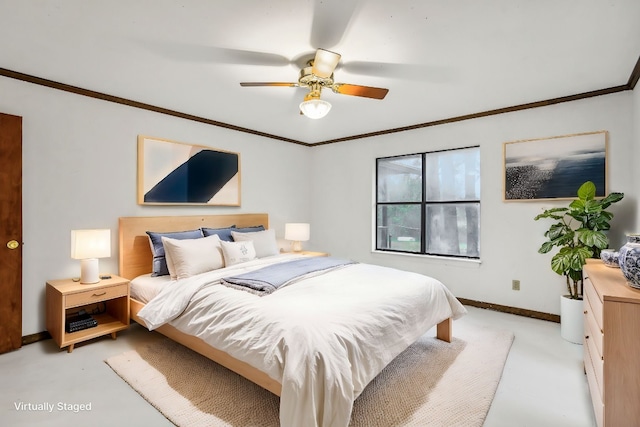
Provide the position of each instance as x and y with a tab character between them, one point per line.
10	232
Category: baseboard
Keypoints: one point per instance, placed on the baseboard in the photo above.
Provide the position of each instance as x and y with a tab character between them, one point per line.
44	335
511	310
39	336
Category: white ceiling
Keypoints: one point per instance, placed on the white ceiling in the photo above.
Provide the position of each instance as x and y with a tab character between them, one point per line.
438	58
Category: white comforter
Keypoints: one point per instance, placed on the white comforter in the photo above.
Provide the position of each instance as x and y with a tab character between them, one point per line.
324	337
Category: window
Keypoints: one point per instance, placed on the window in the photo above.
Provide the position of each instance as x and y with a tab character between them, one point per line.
429	203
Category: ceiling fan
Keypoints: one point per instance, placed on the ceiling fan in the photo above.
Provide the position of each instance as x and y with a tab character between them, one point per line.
317	75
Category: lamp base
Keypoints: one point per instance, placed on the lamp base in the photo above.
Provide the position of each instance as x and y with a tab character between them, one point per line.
296	246
89	271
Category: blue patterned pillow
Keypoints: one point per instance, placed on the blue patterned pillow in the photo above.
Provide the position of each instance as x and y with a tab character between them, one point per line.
249	229
223	233
157	248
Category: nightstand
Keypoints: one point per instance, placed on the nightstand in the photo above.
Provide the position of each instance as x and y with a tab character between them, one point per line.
107	301
312	253
307	253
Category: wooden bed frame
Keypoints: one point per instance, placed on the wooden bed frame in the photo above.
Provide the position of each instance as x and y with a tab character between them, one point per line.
135	259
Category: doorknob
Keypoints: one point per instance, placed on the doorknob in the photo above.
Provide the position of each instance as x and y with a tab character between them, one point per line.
13	244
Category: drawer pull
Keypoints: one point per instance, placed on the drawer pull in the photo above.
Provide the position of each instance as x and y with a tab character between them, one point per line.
586	337
99	295
585	312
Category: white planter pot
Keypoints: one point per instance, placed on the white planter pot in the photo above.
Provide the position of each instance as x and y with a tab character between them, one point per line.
571	319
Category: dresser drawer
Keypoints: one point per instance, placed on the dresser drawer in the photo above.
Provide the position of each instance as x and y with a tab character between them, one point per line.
591	329
96	295
594	390
597	365
594	302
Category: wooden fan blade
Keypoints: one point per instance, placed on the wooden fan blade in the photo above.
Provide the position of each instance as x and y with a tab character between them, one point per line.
324	63
255	84
356	90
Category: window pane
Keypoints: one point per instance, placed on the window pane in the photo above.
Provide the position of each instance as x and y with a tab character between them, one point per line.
400	179
398	227
453	229
453	175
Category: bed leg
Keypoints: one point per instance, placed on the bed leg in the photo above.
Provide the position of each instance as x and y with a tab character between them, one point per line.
443	330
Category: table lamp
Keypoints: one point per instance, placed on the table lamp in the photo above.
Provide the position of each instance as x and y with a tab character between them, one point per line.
297	232
88	246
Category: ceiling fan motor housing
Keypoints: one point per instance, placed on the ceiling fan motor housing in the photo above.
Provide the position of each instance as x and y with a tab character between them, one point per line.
307	78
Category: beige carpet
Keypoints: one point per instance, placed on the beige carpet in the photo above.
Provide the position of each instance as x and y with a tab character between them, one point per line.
432	383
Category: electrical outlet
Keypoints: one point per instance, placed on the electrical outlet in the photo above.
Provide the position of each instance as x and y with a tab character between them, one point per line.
515	285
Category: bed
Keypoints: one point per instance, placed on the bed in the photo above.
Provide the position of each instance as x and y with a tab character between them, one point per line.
312	343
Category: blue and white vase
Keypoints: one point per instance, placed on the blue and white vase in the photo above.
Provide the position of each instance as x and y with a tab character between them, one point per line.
610	257
629	260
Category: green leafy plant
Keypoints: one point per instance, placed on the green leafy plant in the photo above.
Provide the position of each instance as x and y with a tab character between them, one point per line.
579	233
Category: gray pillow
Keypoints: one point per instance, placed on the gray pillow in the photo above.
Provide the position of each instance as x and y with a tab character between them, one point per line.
264	241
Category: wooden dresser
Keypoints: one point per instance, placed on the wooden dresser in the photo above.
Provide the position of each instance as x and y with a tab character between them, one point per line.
612	345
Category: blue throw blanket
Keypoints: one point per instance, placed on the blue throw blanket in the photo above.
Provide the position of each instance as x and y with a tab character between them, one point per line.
269	279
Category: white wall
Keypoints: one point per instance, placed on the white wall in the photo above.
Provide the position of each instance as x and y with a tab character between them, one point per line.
343	182
635	152
79	171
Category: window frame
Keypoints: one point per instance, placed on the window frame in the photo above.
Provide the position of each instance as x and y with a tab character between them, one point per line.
423	207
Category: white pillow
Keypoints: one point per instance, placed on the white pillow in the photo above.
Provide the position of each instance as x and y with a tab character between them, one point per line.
264	241
188	257
237	252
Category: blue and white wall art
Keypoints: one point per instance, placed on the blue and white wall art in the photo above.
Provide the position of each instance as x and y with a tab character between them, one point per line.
554	168
174	173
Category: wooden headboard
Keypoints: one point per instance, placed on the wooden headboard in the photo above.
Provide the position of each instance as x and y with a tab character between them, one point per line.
135	252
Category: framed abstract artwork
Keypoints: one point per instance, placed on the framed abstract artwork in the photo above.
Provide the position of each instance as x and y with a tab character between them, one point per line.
554	168
175	173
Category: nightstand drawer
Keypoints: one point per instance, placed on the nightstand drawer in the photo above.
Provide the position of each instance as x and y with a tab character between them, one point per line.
96	295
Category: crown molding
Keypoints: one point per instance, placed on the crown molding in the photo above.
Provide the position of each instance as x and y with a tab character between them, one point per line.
630	85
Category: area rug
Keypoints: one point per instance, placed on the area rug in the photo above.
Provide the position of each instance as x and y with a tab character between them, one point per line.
432	383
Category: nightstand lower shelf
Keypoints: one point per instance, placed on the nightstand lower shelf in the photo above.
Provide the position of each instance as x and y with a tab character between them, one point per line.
107	324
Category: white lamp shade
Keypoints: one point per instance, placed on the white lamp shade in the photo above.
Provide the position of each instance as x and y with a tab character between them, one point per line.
87	244
297	231
325	62
315	108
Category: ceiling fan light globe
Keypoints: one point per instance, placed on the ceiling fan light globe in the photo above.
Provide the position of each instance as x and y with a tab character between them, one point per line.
315	108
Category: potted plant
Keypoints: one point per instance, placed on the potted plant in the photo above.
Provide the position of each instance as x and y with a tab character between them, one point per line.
578	230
